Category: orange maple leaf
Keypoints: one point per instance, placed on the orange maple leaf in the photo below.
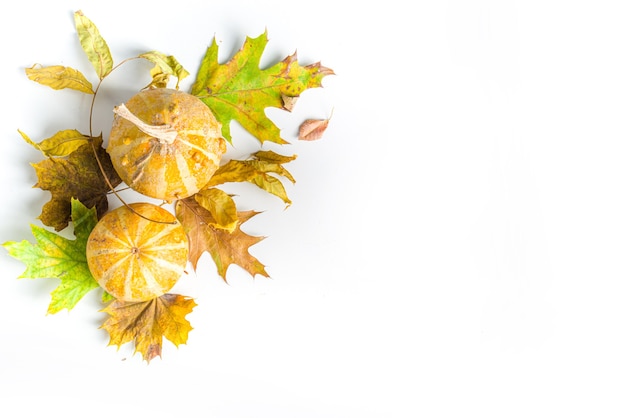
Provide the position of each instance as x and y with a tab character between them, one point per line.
146	323
225	247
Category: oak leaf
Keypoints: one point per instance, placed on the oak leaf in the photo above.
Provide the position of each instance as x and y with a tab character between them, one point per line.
225	247
76	176
240	90
54	256
146	323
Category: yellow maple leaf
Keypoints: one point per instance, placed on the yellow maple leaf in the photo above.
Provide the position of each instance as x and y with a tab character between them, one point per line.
146	323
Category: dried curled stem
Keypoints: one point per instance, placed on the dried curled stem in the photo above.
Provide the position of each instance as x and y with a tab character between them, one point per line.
95	151
164	133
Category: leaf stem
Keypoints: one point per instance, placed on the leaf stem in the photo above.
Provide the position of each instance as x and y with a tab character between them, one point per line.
93	100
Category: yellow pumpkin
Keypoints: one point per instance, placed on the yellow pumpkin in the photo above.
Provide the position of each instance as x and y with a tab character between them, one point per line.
137	254
165	143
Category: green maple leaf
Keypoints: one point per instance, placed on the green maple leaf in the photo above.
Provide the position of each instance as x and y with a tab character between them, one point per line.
54	256
239	90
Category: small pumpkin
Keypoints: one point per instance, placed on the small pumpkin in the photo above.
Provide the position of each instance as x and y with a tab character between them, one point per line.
165	143
137	252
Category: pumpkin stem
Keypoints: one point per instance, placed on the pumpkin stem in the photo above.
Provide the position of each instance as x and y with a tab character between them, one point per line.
164	133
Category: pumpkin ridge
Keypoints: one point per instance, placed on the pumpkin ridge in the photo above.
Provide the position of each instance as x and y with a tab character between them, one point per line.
109	274
150	281
153	239
134	258
165	264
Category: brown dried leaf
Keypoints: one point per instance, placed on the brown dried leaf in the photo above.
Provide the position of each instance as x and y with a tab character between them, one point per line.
312	129
146	323
76	176
225	247
289	102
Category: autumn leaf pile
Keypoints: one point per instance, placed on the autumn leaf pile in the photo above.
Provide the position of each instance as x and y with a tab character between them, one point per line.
79	176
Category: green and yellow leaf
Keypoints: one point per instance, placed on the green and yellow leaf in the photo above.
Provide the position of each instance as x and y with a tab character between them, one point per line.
165	65
240	90
61	144
159	78
93	44
54	256
59	77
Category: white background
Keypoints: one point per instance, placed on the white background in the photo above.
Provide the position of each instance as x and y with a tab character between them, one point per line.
456	241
